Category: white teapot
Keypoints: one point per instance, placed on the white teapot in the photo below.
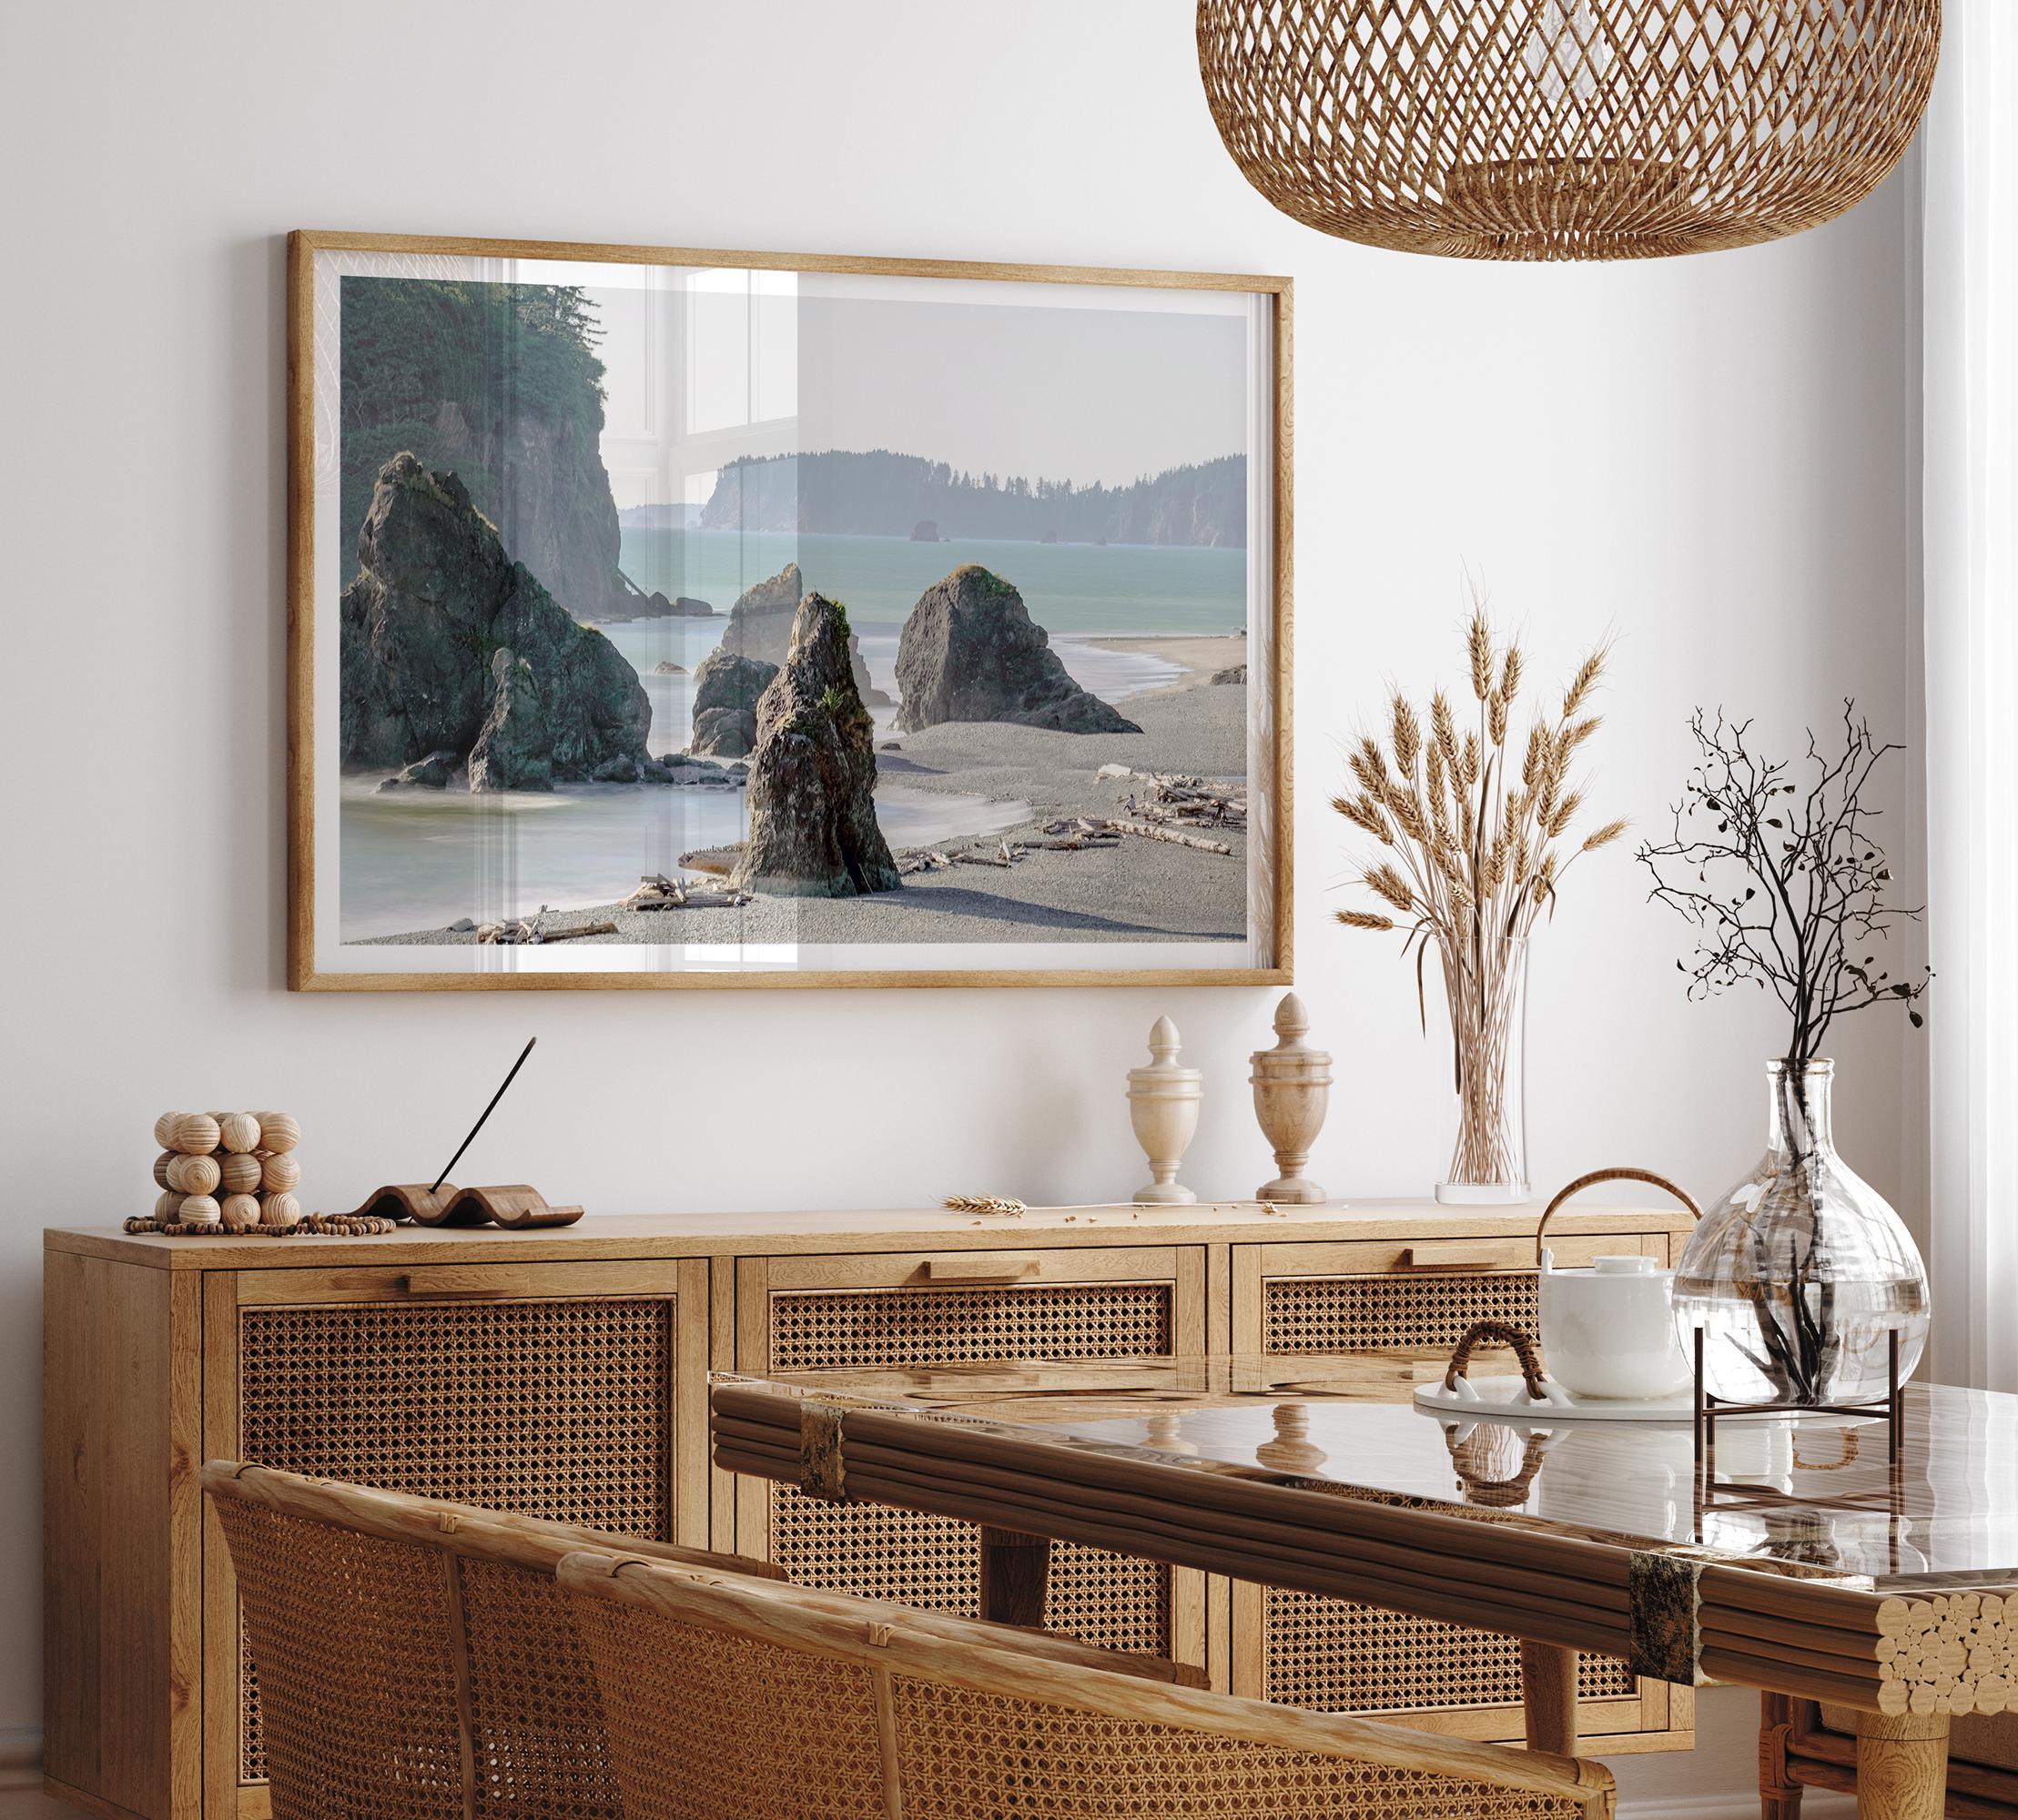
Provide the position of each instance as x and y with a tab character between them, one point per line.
1609	1331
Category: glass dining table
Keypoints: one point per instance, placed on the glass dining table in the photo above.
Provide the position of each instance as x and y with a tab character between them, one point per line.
1804	1557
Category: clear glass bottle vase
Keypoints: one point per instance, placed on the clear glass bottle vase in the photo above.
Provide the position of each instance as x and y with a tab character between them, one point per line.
1485	993
1799	1275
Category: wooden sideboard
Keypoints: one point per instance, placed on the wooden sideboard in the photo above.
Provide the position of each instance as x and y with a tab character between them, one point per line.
563	1374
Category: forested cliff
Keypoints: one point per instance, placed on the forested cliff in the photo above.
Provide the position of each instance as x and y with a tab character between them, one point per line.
875	493
500	384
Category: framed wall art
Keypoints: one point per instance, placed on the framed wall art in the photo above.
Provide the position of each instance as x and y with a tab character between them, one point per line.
667	618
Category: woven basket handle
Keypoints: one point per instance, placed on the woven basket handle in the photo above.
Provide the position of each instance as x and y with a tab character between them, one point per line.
1525	1349
1495	1493
1591	1181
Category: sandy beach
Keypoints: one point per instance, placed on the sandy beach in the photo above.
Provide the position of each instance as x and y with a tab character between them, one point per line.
1141	890
1200	658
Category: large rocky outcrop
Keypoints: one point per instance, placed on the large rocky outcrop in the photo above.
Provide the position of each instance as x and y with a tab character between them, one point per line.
970	652
760	626
449	645
727	689
812	780
500	383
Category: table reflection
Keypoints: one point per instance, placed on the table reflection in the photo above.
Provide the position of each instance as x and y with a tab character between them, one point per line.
1818	1491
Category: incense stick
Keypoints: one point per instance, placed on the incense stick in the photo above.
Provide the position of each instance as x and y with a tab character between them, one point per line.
486	1113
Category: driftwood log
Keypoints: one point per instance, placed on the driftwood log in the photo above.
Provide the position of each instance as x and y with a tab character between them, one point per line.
1153	832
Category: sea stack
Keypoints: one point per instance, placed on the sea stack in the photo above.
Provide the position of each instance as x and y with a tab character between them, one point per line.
970	652
760	622
760	626
726	690
435	604
812	781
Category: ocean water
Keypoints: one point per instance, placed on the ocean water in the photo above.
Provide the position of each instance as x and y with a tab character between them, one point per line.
1113	676
1069	588
421	859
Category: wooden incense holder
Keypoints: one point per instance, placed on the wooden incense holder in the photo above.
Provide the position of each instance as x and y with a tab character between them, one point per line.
512	1204
411	1200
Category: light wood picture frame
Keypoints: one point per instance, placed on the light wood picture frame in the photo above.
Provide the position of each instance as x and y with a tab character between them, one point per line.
672	617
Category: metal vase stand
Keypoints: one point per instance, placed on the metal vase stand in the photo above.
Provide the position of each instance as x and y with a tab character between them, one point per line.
1711	1493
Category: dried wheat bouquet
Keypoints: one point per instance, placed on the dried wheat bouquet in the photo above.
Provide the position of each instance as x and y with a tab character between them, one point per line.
1476	835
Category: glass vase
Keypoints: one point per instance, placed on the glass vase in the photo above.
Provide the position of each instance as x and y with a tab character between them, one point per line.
1802	1271
1485	993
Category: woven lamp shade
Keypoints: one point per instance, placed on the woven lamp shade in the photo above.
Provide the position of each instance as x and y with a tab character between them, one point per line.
1567	130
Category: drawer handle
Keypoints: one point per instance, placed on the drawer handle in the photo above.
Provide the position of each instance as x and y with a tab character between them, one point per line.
440	1291
1448	1261
982	1269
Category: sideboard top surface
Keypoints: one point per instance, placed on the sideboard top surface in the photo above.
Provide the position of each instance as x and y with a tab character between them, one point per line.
700	1235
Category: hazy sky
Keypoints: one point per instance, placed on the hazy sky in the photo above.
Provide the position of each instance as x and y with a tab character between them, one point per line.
1084	394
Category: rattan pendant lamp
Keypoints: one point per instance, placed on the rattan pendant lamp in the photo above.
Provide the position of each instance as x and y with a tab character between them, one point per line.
1567	130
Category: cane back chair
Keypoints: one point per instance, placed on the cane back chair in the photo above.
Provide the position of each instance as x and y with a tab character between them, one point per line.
416	1661
728	1697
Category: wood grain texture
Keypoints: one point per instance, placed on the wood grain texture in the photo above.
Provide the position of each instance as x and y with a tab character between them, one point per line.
1902	1766
1548	1697
1277	918
1372	1236
119	1689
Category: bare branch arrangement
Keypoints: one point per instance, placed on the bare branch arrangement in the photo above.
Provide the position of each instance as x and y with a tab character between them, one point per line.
1784	881
1479	849
1788	887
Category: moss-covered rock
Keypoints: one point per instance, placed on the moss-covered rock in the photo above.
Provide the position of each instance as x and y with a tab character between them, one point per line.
970	652
812	780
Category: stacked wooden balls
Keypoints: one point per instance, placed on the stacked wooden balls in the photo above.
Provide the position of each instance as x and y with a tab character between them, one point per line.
233	1169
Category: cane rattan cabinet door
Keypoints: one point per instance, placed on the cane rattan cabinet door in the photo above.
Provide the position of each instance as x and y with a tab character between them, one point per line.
1412	1302
574	1391
797	1313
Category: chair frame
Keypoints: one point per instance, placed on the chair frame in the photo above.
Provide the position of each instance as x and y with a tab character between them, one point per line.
889	1640
461	1528
1797	1751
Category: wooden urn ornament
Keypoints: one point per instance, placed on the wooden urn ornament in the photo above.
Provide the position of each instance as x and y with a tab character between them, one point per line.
1162	1106
1293	1090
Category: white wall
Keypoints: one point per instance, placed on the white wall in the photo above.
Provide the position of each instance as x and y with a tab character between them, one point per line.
1708	458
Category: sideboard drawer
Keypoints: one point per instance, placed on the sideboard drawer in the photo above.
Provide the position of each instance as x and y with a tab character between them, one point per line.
575	1392
923	1309
1300	1650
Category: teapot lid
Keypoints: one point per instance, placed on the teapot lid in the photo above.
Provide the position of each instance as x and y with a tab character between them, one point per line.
1633	1265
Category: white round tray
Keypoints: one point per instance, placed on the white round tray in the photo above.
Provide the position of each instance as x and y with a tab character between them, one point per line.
1507	1399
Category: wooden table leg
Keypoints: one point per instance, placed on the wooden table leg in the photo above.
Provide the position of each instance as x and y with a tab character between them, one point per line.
1779	1793
1015	1570
1902	1766
1548	1691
